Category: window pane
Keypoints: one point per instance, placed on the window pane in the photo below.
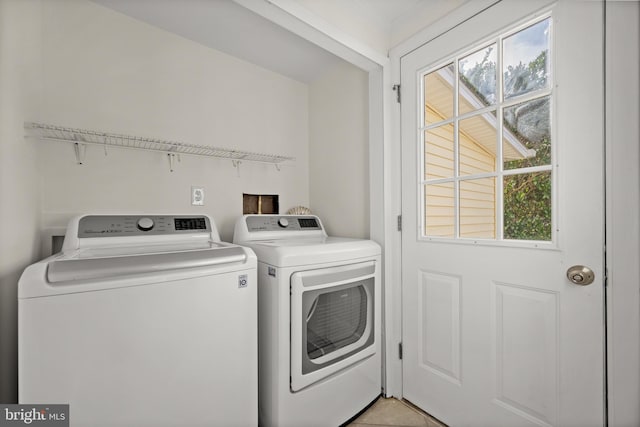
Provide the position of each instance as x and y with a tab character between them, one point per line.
438	95
439	210
526	138
478	140
477	86
438	147
478	208
527	206
525	60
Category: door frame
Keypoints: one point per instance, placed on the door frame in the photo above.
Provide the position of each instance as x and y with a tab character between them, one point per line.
622	196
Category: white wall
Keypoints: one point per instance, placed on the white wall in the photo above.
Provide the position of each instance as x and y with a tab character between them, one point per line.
338	150
105	71
19	204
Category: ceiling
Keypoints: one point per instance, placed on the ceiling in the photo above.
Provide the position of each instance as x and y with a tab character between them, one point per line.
383	24
381	12
231	28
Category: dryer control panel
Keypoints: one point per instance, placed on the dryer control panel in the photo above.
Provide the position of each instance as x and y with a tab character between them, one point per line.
129	225
282	223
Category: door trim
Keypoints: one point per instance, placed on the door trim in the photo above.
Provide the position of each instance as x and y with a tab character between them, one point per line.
622	175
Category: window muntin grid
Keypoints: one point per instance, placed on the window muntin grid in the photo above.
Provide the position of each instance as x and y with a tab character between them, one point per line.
487	130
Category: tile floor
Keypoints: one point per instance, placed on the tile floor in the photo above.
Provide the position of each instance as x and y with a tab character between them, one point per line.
394	413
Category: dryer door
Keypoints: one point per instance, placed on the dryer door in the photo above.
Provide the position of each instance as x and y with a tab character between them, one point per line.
332	320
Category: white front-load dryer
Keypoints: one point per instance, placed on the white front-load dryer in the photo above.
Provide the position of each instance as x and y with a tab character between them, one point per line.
319	323
140	321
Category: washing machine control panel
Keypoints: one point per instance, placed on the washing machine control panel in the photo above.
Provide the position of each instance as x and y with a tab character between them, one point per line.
282	222
129	225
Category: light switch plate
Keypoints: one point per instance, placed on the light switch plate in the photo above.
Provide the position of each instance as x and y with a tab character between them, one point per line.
197	196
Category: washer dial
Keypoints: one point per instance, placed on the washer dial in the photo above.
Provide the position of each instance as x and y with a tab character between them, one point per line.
145	224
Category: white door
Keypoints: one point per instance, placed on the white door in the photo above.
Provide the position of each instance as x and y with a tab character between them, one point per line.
502	176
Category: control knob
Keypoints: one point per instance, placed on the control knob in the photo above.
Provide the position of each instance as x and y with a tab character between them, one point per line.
145	224
283	222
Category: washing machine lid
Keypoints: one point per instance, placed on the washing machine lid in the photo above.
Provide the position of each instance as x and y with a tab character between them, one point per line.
86	271
307	251
109	263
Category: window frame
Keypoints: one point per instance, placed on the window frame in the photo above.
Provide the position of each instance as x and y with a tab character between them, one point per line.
498	107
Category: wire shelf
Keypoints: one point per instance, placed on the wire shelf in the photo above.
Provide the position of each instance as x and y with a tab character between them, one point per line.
172	148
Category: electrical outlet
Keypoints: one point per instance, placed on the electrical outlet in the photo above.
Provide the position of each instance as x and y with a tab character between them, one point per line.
197	196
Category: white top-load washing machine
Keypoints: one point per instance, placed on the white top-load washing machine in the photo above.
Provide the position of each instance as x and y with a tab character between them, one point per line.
142	321
319	321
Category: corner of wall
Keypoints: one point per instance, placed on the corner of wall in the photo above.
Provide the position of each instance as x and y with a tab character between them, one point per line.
20	80
339	150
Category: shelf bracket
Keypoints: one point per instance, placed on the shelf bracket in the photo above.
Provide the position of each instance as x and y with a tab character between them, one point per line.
172	158
236	164
80	150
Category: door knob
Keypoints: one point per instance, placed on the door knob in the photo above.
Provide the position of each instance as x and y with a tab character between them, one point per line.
580	275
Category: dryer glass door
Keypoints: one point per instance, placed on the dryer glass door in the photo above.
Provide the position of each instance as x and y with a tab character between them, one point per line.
332	318
335	319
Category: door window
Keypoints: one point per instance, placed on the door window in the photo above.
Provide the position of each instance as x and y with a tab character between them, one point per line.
487	170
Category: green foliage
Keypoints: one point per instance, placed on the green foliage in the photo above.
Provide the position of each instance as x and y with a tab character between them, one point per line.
527	206
527	198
